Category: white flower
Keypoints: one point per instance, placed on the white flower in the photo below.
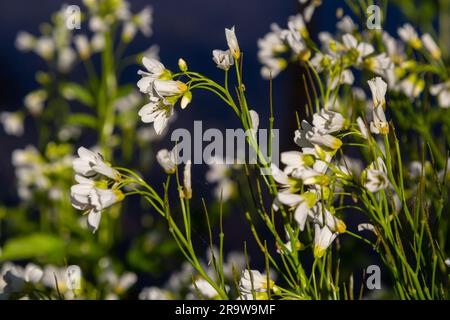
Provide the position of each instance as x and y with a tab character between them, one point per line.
409	35
412	86
323	238
254	281
322	216
34	101
366	226
302	204
223	59
12	123
187	186
379	125
45	47
378	88
153	293
116	284
17	278
308	136
168	88
155	70
346	24
395	49
376	178
97	24
233	42
144	21
66	59
379	64
98	42
362	128
90	163
328	121
442	91
25	41
186	99
309	9
167	160
205	289
361	49
158	112
344	77
447	262
431	46
82	46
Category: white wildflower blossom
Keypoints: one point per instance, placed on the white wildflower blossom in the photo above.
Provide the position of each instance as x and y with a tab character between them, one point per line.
442	91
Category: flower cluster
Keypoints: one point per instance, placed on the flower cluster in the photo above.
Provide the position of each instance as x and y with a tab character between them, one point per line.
97	185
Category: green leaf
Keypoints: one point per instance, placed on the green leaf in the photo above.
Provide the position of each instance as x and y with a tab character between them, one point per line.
82	119
73	91
33	246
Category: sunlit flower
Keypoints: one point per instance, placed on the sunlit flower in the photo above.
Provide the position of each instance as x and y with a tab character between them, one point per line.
90	163
327	121
376	177
362	128
82	46
442	91
323	238
45	47
431	46
223	59
346	24
205	289
167	160
187	185
155	70
309	9
254	281
301	203
409	35
19	279
12	123
25	41
412	86
158	112
378	88
233	42
154	293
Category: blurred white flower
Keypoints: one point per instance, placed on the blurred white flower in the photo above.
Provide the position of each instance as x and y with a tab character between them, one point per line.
90	163
34	101
25	41
323	238
45	47
431	46
154	293
253	281
223	59
442	91
82	45
409	35
12	123
205	289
